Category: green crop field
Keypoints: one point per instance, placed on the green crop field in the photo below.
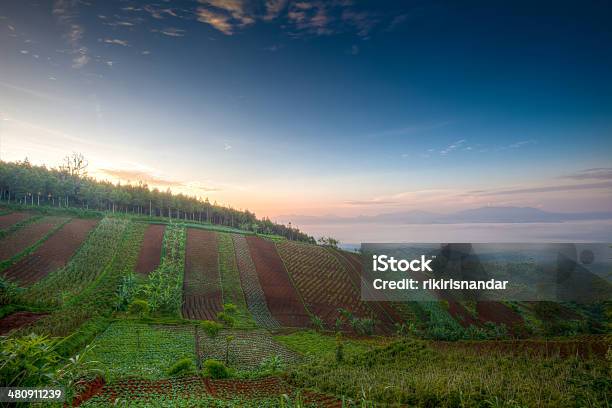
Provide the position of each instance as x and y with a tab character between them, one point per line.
115	337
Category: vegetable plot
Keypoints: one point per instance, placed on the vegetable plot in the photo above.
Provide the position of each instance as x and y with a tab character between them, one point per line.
53	254
322	281
201	287
128	349
82	269
246	350
230	280
253	293
283	300
27	236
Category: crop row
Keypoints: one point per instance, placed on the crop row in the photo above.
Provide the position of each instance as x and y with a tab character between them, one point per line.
9	219
22	239
99	299
163	288
201	289
84	267
253	293
230	280
322	281
283	300
54	253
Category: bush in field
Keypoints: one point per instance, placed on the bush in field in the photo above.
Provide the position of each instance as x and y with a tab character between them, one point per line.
230	308
181	368
139	308
227	319
211	328
216	369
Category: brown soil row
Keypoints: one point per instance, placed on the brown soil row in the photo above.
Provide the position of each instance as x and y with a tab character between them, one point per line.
150	251
53	254
8	220
202	297
27	236
283	300
322	281
17	320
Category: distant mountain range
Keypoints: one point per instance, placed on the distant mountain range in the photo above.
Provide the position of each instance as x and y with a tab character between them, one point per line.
506	215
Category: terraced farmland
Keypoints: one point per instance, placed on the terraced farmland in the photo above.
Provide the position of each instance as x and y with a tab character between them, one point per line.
150	252
140	315
282	298
11	219
53	254
201	285
27	236
253	293
322	281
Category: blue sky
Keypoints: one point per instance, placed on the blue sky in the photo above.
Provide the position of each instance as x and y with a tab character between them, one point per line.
313	107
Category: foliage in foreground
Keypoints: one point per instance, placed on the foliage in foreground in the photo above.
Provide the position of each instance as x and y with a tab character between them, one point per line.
410	372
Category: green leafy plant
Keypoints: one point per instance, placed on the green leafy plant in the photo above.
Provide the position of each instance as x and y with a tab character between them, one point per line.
139	308
211	328
182	367
27	361
216	369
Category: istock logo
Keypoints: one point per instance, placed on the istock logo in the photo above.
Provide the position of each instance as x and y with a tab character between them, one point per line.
383	263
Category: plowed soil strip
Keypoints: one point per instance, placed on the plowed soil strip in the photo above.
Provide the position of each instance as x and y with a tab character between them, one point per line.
499	313
150	252
27	236
283	300
12	219
384	312
17	320
253	293
322	281
202	298
53	254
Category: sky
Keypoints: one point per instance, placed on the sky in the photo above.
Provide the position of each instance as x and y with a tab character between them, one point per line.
319	107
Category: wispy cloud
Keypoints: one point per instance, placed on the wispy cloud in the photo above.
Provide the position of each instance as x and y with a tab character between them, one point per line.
598	173
137	175
274	8
546	189
65	12
116	41
361	203
452	147
170	32
225	15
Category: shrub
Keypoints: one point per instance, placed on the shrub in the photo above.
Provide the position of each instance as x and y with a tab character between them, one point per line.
182	367
216	369
139	308
230	308
272	364
227	320
211	328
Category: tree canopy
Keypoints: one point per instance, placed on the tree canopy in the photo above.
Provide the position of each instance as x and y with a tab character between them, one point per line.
70	186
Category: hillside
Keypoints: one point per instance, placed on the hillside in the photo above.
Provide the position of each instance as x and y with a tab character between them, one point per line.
137	298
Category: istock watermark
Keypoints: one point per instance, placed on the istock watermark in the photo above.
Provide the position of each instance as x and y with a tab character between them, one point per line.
487	272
